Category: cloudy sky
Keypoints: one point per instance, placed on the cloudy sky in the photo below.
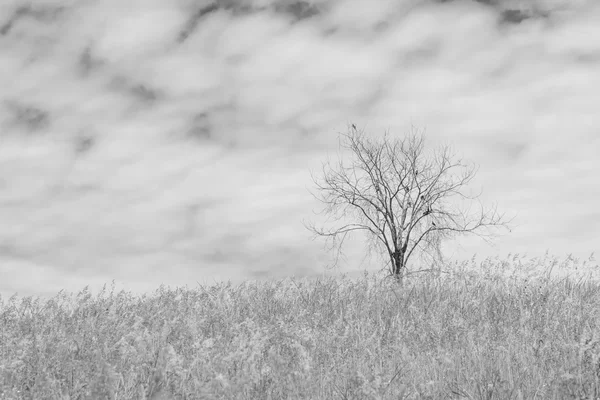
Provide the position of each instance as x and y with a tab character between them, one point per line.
152	141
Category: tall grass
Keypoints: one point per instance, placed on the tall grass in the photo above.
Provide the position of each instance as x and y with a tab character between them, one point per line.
484	334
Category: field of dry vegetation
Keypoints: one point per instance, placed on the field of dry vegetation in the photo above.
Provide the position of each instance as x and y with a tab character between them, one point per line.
477	333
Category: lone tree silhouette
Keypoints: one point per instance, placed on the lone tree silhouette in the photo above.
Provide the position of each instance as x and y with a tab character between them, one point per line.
406	200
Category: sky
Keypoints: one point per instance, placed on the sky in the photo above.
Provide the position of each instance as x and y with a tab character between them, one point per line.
172	142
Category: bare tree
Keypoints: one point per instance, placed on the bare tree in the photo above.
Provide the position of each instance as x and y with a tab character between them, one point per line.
407	201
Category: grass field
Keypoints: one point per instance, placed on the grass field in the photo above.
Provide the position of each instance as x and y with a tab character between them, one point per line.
498	331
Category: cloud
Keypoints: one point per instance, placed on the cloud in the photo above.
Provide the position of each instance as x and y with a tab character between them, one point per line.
168	143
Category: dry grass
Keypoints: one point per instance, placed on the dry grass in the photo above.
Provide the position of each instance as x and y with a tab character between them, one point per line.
465	335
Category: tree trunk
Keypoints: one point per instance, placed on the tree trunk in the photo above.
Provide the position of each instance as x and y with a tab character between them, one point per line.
398	263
